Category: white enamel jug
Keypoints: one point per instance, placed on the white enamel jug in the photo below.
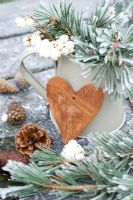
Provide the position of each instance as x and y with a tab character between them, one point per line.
111	115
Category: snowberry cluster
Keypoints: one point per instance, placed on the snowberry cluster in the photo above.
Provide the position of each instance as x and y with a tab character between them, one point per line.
50	49
22	21
32	40
73	151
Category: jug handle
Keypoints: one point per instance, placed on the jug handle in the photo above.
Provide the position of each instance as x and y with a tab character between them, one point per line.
27	74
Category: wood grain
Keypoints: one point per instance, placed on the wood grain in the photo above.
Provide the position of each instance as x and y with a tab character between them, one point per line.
73	111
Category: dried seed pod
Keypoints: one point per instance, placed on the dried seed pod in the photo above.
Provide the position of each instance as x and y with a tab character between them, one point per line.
16	113
6	87
29	136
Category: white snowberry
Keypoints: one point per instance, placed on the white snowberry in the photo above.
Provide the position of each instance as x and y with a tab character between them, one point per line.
53	43
55	54
79	156
29	20
35	39
69	45
72	143
73	151
44	48
20	21
45	53
59	44
67	156
45	43
64	38
4	118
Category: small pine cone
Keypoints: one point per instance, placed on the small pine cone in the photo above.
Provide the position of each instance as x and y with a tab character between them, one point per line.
29	136
6	87
16	113
13	155
21	82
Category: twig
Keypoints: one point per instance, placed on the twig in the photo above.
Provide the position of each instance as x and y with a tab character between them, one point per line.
72	187
43	30
58	178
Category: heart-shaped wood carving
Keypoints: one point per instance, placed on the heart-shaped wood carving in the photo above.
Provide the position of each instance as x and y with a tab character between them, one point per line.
73	111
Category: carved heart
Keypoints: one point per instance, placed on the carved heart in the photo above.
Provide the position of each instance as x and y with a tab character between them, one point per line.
73	111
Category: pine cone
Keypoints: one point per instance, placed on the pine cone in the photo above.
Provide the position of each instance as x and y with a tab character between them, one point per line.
16	113
21	82
29	136
6	87
13	155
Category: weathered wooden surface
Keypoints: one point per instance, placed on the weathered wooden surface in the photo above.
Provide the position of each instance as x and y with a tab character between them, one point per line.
10	11
11	47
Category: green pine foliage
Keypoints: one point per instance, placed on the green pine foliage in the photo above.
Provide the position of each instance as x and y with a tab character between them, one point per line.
108	55
105	174
107	51
59	20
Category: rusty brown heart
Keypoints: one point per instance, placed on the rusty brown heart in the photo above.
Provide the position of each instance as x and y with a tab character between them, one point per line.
73	111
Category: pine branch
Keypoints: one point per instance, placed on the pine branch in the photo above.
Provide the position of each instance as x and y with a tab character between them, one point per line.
103	16
104	175
107	52
59	20
119	140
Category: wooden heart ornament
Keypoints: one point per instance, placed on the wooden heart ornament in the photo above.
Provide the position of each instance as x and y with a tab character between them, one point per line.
73	111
